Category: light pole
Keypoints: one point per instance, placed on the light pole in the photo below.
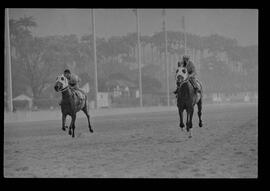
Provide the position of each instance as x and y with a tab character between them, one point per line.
166	60
139	55
185	36
95	57
8	59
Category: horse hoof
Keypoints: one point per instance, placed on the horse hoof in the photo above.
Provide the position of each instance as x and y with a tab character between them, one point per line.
91	131
200	125
64	128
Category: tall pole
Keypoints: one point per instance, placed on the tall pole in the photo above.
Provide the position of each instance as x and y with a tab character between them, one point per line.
193	55
8	59
139	56
185	36
166	60
199	62
95	57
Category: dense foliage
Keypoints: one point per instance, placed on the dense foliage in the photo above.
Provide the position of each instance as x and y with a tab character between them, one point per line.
37	60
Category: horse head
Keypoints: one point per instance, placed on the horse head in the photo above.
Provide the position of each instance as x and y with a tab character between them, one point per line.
61	83
181	74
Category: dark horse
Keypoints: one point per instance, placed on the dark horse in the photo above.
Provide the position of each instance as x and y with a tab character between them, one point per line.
72	102
186	99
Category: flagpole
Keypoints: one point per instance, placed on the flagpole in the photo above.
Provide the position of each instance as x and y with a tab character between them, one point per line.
95	57
8	59
185	36
139	56
166	60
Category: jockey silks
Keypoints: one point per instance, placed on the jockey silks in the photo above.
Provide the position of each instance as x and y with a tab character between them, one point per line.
74	80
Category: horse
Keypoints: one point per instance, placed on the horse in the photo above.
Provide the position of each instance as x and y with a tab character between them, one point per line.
72	102
187	98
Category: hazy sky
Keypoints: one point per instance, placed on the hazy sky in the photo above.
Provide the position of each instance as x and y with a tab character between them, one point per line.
241	24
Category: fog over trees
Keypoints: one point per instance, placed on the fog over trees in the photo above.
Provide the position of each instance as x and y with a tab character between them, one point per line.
222	64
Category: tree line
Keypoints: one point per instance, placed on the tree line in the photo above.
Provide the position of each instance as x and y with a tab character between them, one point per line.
36	61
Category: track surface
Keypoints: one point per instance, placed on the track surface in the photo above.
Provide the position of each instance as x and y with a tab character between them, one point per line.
149	145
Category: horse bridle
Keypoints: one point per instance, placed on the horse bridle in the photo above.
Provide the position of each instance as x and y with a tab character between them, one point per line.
64	89
184	81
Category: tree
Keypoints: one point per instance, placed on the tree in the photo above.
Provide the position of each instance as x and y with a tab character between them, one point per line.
38	65
131	41
20	37
38	58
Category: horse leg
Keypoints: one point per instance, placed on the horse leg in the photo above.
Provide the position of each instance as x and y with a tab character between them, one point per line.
199	104
85	110
189	121
69	130
181	125
64	122
72	125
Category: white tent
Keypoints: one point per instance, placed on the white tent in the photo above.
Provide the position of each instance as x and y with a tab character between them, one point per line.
23	97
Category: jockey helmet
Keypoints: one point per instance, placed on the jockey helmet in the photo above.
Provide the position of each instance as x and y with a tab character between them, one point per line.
67	71
186	57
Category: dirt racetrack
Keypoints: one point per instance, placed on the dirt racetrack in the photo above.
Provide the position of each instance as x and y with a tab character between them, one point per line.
144	145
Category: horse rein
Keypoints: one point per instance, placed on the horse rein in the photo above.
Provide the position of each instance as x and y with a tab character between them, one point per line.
64	89
184	81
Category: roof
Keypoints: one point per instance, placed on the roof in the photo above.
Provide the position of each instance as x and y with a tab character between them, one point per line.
22	97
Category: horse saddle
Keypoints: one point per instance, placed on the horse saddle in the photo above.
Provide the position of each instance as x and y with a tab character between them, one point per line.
199	92
78	94
199	85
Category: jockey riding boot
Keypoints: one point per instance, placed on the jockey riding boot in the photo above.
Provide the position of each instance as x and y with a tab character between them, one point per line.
177	88
194	84
80	90
197	89
175	91
197	92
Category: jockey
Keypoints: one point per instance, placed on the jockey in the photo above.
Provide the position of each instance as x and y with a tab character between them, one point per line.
191	71
73	80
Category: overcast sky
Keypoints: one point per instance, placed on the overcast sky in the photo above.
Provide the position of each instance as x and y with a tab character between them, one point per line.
241	24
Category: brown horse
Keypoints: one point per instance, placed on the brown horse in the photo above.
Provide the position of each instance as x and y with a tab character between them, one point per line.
72	102
186	99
